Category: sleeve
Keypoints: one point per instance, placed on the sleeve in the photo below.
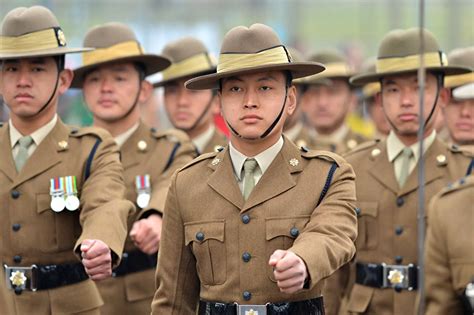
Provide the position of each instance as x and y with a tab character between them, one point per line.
176	277
441	297
104	210
335	287
331	230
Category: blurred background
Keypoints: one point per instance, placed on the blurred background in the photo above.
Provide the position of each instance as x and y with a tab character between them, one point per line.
355	27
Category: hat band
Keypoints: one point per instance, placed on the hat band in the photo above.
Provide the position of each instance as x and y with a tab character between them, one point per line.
122	50
45	39
236	61
335	69
189	66
431	59
371	89
457	80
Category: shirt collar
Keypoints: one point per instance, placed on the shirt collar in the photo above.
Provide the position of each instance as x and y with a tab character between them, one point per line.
123	137
395	145
264	159
203	139
38	135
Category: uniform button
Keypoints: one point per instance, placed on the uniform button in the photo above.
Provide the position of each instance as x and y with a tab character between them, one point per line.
200	236
247	295
15	194
398	288
399	230
245	218
16	227
246	257
400	201
294	232
357	210
398	259
17	259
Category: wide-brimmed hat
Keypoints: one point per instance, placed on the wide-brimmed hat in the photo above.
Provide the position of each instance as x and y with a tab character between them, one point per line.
249	50
115	42
463	57
464	92
370	89
399	53
189	57
336	67
32	32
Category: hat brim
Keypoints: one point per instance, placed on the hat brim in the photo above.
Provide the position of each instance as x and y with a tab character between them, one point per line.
297	69
152	63
362	79
196	74
44	53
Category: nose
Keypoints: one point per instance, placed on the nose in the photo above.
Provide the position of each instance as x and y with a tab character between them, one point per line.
250	99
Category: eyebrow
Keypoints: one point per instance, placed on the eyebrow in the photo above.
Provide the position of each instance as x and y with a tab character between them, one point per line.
264	78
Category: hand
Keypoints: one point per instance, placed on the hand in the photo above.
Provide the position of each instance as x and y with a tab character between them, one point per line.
289	270
146	234
97	259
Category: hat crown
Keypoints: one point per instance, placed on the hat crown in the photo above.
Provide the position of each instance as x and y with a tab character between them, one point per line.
463	57
109	34
328	56
296	55
249	40
23	20
402	43
184	48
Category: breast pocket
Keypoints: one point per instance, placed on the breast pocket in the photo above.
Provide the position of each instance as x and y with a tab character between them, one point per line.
281	233
206	239
367	212
55	231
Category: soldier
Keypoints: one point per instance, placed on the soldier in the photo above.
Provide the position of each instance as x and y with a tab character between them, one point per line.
255	250
449	250
295	128
113	81
191	111
385	267
327	100
61	188
459	113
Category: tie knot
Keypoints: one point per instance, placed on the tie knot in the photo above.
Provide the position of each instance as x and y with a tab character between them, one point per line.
25	141
407	151
250	165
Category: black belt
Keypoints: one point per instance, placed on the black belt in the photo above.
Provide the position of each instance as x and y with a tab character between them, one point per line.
43	277
307	307
398	277
134	262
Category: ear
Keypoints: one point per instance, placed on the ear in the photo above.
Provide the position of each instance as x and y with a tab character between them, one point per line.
146	90
215	106
218	98
65	79
444	97
291	100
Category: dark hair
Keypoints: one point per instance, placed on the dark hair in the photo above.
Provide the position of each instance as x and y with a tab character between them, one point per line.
60	61
141	69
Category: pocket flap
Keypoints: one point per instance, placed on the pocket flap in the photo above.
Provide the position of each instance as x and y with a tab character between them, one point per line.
369	208
43	202
204	230
360	298
285	226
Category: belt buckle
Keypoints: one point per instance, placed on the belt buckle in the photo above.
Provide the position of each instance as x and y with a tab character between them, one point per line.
251	309
21	277
396	276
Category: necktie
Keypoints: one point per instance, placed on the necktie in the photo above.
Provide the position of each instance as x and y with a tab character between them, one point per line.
22	155
250	166
407	154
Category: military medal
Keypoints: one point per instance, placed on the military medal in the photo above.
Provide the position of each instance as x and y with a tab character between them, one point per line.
143	186
71	201
57	194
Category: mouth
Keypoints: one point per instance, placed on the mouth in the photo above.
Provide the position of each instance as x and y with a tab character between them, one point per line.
408	117
23	97
465	126
107	102
250	119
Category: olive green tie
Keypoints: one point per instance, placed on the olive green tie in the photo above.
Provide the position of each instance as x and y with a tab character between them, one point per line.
407	154
22	155
250	165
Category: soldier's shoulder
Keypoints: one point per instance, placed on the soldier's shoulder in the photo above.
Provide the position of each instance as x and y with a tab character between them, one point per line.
172	135
364	148
321	155
458	186
98	133
203	158
1	124
461	150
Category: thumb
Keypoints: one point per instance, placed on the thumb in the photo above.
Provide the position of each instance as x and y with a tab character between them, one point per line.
135	228
86	244
276	257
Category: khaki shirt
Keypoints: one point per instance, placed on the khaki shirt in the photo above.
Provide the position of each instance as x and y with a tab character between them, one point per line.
47	237
449	258
208	227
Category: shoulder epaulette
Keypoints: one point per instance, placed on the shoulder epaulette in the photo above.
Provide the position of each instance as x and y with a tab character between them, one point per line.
173	135
324	155
1	124
89	131
363	146
202	157
459	184
459	149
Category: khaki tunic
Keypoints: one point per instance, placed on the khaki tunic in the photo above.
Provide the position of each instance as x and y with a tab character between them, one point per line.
218	140
204	197
145	152
304	139
449	258
350	141
388	220
47	237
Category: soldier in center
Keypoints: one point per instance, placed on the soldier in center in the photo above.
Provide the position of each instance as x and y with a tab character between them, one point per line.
112	78
273	220
383	277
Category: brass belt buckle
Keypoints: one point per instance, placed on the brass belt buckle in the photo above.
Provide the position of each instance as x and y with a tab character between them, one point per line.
251	309
21	277
396	276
